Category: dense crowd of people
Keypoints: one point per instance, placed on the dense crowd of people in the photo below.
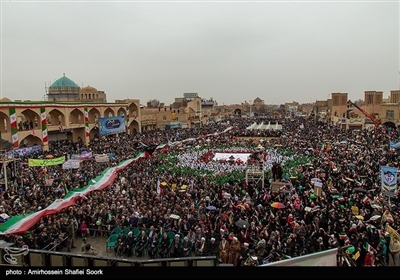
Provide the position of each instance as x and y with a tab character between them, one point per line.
233	221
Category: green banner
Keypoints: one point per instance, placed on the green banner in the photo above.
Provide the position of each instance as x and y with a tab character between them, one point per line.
46	161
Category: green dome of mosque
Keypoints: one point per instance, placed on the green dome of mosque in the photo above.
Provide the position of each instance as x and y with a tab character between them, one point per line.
64	82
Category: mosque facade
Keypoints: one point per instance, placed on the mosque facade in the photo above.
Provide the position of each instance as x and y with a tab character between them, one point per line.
69	112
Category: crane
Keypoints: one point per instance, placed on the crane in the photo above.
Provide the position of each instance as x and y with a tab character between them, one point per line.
368	115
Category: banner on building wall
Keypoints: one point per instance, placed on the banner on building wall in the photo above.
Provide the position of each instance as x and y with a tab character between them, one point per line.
14	128
127	119
87	132
43	118
32	162
388	180
111	125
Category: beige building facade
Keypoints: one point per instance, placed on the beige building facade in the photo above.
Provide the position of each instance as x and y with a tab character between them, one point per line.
339	113
63	120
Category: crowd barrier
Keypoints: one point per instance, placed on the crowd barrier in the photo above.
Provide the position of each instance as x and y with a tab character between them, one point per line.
42	258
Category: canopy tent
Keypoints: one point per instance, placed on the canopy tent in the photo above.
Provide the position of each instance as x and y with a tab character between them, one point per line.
262	126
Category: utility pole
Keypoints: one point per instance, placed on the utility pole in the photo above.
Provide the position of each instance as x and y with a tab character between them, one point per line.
4	160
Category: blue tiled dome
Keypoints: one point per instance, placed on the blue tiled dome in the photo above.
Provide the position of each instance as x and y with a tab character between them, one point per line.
64	82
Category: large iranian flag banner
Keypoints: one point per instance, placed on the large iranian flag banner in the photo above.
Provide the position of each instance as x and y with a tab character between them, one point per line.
22	223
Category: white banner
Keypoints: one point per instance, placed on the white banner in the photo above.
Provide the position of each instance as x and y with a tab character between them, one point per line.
101	158
324	258
226	156
318	184
71	164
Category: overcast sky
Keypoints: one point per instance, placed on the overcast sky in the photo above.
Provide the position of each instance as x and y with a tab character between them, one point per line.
226	50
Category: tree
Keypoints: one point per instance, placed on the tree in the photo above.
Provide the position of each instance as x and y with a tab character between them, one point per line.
154	103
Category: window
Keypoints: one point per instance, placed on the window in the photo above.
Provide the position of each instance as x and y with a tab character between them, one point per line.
335	101
390	114
344	99
164	118
370	99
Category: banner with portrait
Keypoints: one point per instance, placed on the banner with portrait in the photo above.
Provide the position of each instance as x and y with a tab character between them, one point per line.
388	180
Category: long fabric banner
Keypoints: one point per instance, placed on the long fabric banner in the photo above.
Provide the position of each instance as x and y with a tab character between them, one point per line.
45	162
82	156
388	180
27	150
22	223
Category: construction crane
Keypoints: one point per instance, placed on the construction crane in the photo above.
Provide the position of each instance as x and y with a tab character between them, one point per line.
368	115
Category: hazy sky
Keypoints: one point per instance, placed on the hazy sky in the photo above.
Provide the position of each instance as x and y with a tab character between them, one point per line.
232	51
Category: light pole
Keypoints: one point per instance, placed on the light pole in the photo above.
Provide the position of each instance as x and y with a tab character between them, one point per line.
5	160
